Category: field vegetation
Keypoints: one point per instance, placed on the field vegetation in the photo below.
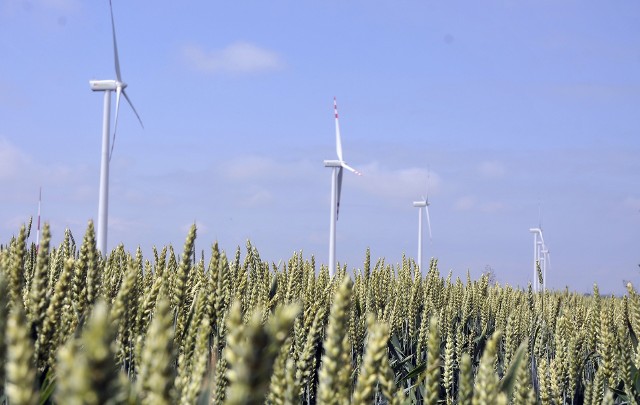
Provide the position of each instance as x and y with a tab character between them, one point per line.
179	328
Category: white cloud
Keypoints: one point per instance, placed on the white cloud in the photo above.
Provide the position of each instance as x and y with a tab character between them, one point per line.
399	184
469	203
491	170
465	203
123	224
250	168
21	173
257	197
239	57
492	206
256	181
83	192
12	160
16	165
13	224
632	203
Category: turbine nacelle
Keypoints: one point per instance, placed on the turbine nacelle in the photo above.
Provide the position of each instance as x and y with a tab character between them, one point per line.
537	231
420	204
332	163
106	85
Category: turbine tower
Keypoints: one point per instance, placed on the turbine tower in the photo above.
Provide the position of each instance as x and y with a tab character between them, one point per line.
336	187
424	203
107	86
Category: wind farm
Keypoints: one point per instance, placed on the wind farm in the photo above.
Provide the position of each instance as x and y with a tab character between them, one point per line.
240	122
477	112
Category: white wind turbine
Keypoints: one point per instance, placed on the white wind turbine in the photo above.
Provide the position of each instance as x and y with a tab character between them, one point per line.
108	86
38	231
336	187
540	257
424	203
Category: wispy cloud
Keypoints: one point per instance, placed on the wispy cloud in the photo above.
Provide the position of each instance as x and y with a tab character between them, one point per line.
492	170
238	57
250	168
471	203
20	172
257	181
257	197
492	206
13	224
632	203
397	184
465	203
12	160
124	224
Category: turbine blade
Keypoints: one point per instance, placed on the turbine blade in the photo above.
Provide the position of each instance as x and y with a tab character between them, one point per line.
428	178
338	139
338	192
351	169
115	45
132	107
539	215
548	259
115	124
426	208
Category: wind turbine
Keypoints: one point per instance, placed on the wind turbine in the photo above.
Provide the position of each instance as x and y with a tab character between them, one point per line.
38	232
540	257
424	203
336	187
107	86
546	261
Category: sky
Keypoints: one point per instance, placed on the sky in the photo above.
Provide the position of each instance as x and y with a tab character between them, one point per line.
513	114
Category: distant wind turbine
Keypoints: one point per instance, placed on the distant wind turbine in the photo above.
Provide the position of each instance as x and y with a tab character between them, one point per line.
546	261
424	203
108	86
336	187
38	231
540	257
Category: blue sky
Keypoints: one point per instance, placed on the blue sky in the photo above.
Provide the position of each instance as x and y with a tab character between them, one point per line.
510	106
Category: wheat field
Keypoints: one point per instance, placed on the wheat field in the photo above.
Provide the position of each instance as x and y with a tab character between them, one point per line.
176	328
